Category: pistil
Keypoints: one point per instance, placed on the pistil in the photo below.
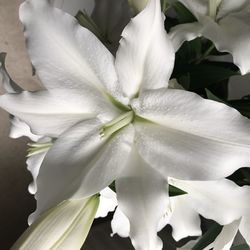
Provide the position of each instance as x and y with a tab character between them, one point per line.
116	124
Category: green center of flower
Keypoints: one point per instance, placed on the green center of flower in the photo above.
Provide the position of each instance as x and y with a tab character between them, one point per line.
118	123
213	8
37	148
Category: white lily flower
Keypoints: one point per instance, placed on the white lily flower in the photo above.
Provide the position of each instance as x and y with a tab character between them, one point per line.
225	22
65	226
222	201
116	120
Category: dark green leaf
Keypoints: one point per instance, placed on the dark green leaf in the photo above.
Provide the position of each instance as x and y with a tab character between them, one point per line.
220	89
207	73
164	5
183	14
243	106
174	191
189	51
213	97
170	22
241	247
241	177
112	187
208	237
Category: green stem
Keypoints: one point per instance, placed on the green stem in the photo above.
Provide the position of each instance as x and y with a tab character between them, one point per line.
206	54
164	5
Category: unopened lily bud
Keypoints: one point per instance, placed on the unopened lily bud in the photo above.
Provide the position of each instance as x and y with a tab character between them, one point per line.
65	226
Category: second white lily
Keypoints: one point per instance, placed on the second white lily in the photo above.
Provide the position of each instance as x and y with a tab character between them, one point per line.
225	22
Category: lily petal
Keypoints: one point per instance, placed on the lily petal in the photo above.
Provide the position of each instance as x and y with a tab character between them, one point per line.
120	224
230	6
232	202
65	226
184	220
187	136
140	187
244	228
64	54
145	59
185	32
231	34
34	163
81	163
50	113
108	203
19	128
197	7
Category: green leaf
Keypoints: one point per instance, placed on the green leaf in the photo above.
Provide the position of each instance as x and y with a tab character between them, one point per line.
112	186
241	177
170	22
174	191
183	14
208	237
213	97
164	5
241	247
207	73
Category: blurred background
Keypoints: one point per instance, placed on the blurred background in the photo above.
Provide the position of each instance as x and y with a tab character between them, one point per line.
15	201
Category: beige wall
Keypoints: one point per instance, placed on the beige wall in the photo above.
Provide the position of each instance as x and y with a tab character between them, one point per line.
15	202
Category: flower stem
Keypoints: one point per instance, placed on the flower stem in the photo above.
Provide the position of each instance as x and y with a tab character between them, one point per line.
206	53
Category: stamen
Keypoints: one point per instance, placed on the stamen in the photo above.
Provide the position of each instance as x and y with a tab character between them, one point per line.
213	8
37	148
